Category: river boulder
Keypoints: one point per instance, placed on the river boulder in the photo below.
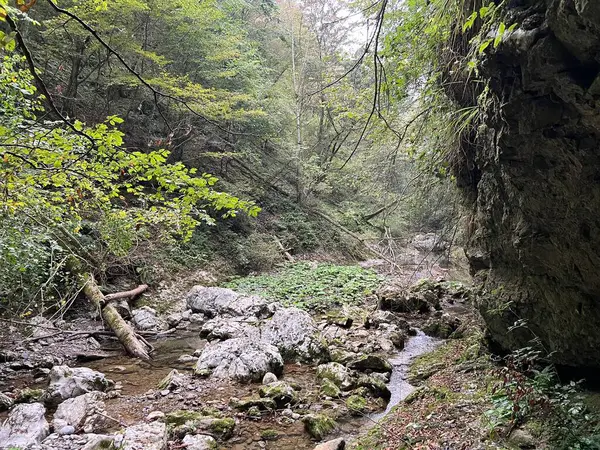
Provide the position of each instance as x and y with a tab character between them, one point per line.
25	427
296	336
239	359
68	382
217	301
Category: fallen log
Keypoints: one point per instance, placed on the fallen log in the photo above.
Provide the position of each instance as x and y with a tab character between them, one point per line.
126	294
113	319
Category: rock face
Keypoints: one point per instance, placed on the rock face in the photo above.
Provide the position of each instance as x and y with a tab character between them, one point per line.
296	336
68	382
239	359
532	172
25	427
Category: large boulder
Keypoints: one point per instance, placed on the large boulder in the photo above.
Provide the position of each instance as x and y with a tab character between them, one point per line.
145	436
531	173
240	359
296	336
216	301
280	392
25	427
68	382
336	373
85	412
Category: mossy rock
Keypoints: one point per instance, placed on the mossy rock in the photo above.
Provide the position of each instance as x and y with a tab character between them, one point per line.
376	386
222	427
29	395
318	425
244	404
370	362
356	404
180	417
280	392
269	434
329	388
342	356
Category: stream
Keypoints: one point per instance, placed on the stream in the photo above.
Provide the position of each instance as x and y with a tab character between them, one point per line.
138	380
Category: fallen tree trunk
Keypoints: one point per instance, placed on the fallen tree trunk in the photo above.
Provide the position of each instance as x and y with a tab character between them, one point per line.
127	294
113	319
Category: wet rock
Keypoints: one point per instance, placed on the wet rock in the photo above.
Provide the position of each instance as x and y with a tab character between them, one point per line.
173	380
296	336
145	318
330	389
280	392
223	329
378	318
25	426
370	362
67	382
336	444
356	404
442	326
84	412
269	378
318	425
397	338
376	386
145	436
239	359
5	402
186	359
262	403
199	442
336	373
385	344
213	301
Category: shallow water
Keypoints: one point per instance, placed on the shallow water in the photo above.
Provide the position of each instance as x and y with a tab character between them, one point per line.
398	386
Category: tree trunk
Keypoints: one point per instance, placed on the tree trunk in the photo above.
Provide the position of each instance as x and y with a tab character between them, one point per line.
113	319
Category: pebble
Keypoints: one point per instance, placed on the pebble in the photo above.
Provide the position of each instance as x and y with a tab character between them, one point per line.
165	392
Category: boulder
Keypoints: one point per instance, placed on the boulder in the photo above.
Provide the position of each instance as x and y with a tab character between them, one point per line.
429	242
330	389
296	336
199	442
213	301
247	403
145	436
336	373
356	404
67	382
223	329
144	318
85	412
370	362
395	298
380	317
240	359
25	427
280	392
375	385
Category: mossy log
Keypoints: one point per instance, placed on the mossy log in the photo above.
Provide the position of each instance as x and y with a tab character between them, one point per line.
113	319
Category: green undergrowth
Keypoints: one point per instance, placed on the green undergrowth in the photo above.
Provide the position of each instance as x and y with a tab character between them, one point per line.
312	286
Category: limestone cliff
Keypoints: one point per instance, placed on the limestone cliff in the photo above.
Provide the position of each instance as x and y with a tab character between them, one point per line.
532	172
